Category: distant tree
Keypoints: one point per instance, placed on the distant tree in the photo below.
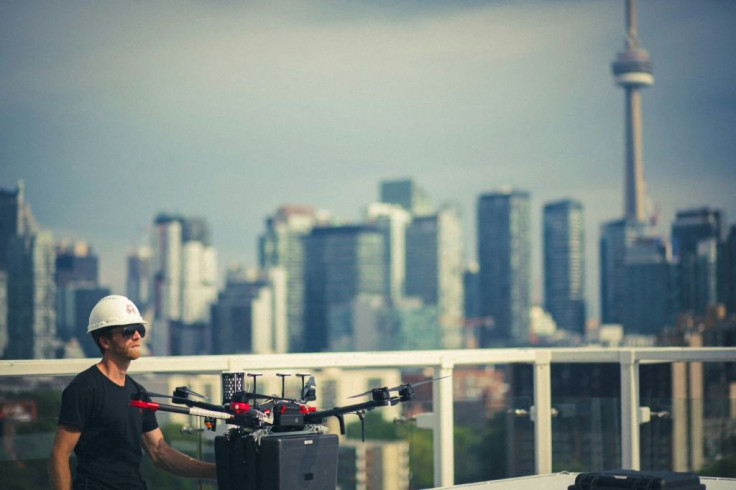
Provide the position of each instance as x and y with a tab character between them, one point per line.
725	466
479	455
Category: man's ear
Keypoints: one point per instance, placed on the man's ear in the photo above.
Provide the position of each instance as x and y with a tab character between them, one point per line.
105	341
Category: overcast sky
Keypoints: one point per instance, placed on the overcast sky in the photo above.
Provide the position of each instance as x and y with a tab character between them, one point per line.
111	112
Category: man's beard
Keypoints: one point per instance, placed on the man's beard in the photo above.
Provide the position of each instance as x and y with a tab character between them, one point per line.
126	351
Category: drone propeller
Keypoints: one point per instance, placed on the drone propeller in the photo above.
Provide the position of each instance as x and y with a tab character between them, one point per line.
414	385
180	393
404	387
158	395
184	392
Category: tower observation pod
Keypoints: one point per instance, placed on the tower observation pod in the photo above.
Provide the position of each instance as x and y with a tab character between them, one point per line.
632	70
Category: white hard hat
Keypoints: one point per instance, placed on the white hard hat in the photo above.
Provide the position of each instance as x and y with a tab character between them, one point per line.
113	310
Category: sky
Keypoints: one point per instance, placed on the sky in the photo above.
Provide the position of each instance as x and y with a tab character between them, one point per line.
113	112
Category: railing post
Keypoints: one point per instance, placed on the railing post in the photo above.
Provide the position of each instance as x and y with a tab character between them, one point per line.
444	446
542	413
629	410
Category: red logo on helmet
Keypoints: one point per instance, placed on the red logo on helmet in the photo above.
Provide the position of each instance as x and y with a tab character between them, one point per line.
130	308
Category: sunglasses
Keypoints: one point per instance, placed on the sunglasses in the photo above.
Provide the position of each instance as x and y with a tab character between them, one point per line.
130	330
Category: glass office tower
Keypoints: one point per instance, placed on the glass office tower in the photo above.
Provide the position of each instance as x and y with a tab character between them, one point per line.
564	264
504	256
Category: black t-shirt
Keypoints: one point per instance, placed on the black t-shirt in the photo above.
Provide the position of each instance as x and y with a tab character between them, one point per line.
109	448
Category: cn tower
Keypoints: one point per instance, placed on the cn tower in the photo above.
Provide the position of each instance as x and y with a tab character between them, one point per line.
633	71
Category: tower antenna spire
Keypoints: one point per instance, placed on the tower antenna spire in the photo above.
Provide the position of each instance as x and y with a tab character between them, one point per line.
632	38
632	71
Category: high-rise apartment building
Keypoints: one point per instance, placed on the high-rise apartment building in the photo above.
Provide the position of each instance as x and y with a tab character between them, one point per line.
31	297
504	255
245	317
434	270
281	245
697	235
184	282
77	291
74	301
139	278
76	262
564	264
408	195
344	270
392	220
27	324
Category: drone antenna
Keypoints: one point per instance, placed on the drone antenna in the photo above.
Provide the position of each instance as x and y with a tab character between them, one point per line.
255	378
303	375
283	376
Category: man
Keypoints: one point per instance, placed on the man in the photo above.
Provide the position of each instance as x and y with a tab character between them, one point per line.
97	422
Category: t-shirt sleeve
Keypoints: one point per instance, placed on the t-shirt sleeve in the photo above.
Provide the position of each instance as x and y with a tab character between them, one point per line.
149	421
76	406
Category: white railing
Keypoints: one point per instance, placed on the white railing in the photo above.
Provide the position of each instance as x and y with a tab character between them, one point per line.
443	362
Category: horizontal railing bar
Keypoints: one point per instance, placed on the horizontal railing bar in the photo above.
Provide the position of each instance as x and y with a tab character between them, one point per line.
644	354
436	358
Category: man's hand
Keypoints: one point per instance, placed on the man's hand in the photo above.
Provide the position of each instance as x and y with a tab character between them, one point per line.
59	472
169	459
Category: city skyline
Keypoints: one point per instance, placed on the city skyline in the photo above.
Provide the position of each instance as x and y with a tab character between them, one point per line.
230	111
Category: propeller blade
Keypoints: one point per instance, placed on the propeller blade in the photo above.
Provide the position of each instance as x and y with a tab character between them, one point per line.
397	388
418	383
158	395
186	390
363	394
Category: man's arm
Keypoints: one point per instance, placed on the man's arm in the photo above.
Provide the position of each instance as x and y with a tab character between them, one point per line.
64	441
169	459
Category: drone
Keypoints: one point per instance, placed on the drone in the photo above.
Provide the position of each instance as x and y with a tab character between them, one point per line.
252	411
274	442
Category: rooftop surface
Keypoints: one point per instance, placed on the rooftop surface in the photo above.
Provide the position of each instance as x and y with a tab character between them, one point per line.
561	481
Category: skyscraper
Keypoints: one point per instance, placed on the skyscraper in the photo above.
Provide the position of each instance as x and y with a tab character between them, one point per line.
76	262
504	255
616	237
74	301
281	245
31	297
392	220
650	287
15	219
406	194
77	291
139	277
564	264
633	71
184	284
697	235
434	270
27	320
242	320
344	269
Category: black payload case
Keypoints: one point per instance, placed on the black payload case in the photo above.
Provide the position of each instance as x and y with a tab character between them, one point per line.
276	461
637	480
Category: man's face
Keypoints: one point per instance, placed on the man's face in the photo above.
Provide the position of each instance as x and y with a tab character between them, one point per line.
129	348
